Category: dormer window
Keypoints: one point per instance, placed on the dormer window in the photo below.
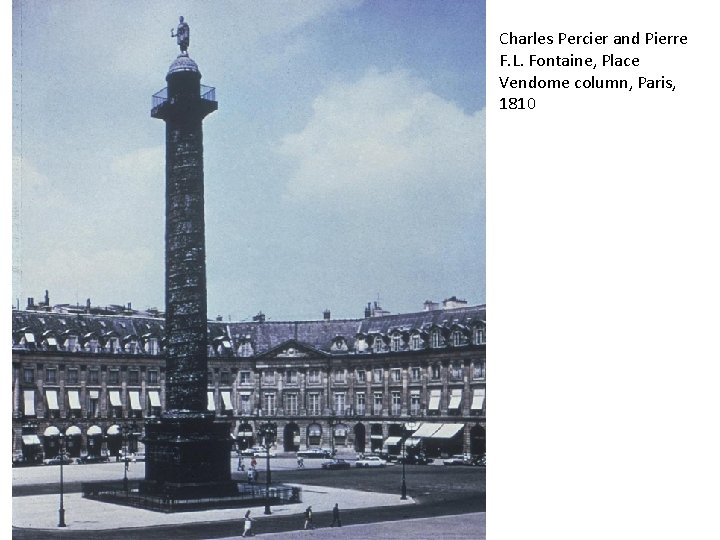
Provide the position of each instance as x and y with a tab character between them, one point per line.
396	343
70	343
151	346
456	338
415	342
479	335
435	339
378	344
245	350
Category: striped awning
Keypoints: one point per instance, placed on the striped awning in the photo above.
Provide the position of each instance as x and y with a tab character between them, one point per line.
227	401
115	398
434	404
30	439
29	397
455	398
447	431
478	399
154	398
74	398
52	400
427	430
392	441
211	400
135	400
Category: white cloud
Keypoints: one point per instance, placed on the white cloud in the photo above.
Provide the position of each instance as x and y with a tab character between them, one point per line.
386	135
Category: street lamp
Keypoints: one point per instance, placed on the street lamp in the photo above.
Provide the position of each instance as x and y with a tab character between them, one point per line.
268	431
332	432
61	511
403	489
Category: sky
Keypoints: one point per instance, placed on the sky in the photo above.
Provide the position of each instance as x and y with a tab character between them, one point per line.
345	163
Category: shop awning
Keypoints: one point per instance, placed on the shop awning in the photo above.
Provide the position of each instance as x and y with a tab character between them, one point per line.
74	397
211	401
51	431
392	441
94	430
135	400
227	402
29	440
52	400
73	430
94	394
434	404
427	430
115	398
455	398
448	431
114	430
154	396
412	441
478	399
29	396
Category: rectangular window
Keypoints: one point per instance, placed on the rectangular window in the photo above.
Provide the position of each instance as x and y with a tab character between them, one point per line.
153	376
456	372
415	342
479	369
94	376
51	375
269	376
291	376
340	403
396	403
395	344
435	340
270	404
114	376
225	378
396	375
435	372
415	374
245	403
340	375
314	376
377	403
28	375
94	403
377	375
314	404
360	373
415	404
245	377
134	377
360	400
291	403
72	376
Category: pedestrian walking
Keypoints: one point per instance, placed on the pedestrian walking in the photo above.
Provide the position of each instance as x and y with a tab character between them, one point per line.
300	462
248	525
308	518
251	475
240	466
336	516
253	463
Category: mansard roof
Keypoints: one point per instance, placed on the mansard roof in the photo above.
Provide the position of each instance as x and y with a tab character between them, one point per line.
264	336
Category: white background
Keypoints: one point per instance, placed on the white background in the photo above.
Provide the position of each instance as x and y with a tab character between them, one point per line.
603	277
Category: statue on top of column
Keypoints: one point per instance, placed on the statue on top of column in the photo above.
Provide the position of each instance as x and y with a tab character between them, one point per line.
183	35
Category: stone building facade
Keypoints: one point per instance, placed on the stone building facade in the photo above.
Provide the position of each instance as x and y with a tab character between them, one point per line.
362	385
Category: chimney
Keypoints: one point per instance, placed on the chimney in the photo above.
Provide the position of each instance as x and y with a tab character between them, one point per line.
260	317
368	311
129	306
87	306
47	298
30	303
218	318
326	315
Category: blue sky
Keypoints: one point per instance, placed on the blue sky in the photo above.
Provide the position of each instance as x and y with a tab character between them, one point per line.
345	162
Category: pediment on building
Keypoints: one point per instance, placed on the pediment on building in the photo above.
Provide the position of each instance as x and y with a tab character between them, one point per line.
292	349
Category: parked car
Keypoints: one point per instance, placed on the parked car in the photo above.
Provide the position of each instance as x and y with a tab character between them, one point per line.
370	461
311	453
335	464
457	459
85	459
66	460
416	459
248	452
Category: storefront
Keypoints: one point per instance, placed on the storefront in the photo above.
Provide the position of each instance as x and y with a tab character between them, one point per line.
73	441
94	441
